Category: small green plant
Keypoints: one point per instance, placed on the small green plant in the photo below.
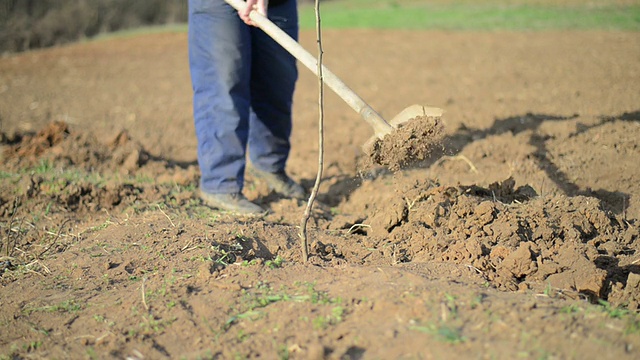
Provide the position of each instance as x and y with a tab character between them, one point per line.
570	309
247	263
450	335
47	210
65	306
337	313
451	304
222	255
263	295
91	353
320	322
44	166
633	325
7	175
611	311
443	332
242	336
207	355
33	345
102	226
151	324
144	179
283	352
477	301
275	263
323	322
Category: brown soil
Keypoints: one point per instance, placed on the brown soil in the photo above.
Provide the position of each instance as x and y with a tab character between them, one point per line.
516	237
410	142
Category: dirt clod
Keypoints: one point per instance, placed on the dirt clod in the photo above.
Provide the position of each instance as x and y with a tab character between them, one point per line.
410	142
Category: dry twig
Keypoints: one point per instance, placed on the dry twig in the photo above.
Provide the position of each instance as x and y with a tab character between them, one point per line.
165	214
54	240
355	227
472	167
144	296
8	249
316	186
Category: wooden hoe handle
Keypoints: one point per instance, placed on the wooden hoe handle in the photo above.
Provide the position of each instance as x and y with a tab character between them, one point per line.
379	125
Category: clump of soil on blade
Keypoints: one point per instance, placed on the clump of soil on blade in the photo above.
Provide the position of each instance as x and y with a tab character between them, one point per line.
410	142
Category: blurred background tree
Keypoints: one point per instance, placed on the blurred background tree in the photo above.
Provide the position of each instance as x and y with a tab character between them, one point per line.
30	24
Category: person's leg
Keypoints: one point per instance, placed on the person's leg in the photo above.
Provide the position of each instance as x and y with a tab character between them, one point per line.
219	59
273	79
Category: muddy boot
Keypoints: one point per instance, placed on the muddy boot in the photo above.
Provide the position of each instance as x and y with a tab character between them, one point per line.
280	182
234	202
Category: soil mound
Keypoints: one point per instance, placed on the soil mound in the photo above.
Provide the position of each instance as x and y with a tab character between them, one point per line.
71	171
60	146
511	236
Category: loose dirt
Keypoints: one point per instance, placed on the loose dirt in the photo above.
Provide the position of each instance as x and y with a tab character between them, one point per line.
514	235
410	142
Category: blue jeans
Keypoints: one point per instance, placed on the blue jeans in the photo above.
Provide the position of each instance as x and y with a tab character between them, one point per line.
243	84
